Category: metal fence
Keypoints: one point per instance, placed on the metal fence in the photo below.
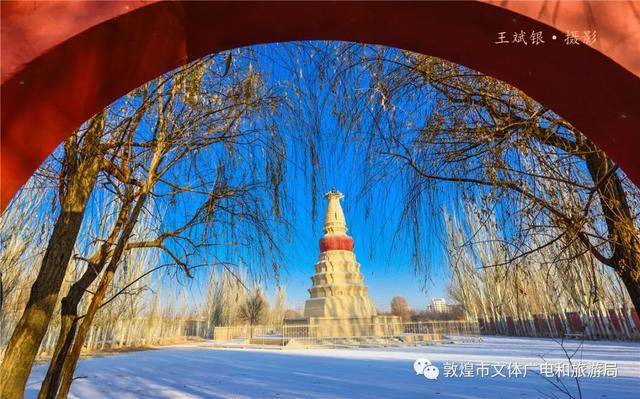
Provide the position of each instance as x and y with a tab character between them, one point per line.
140	332
613	324
318	334
130	333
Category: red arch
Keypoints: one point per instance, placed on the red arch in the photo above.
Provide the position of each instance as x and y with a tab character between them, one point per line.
64	61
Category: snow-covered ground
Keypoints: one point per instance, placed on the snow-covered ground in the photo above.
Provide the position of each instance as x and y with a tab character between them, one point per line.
201	371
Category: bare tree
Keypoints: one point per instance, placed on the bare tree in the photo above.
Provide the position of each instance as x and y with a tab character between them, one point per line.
495	289
400	307
277	311
22	246
291	314
226	292
255	308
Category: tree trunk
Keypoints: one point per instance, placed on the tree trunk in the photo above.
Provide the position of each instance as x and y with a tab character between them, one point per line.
79	175
70	303
71	360
623	236
68	327
631	280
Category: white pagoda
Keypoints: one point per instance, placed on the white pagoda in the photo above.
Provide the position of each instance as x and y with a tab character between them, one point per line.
339	302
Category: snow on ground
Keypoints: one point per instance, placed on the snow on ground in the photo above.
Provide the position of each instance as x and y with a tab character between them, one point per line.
202	371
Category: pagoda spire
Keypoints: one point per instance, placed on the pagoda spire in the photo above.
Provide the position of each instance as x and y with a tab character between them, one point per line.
334	221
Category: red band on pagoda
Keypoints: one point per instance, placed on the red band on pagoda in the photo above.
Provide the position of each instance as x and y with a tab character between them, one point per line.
333	243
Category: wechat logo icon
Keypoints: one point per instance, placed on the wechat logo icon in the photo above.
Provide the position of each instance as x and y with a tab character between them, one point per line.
425	368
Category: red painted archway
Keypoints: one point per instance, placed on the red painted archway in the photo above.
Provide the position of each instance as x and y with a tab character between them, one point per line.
64	61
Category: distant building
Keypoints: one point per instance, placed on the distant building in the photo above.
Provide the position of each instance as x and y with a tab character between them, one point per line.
439	305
